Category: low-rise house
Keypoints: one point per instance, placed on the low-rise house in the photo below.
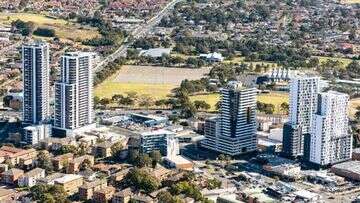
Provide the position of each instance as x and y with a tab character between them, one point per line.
109	168
89	140
70	183
7	195
74	166
27	162
103	195
102	150
11	176
49	180
120	175
142	199
15	155
156	52
86	191
161	172
60	161
88	174
29	178
356	154
212	57
123	196
54	143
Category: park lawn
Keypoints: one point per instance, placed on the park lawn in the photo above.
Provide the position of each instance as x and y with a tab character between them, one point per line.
241	59
352	1
275	98
157	91
39	19
211	99
63	29
344	61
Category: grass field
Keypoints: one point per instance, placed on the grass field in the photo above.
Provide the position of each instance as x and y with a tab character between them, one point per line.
211	99
158	74
64	29
344	61
351	1
157	91
271	98
155	81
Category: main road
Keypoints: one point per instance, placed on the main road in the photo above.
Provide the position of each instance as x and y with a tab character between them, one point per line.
137	33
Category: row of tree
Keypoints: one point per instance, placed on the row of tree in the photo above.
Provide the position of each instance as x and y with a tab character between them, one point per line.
27	28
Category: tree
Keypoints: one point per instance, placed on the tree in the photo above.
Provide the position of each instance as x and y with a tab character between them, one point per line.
127	101
82	150
188	109
201	105
313	62
353	68
132	95
143	160
156	157
116	151
132	54
67	149
9	163
142	180
146	101
49	193
161	102
258	68
357	113
213	184
96	100
105	102
222	157
166	197
85	164
25	28
266	108
284	107
116	97
187	188
44	161
133	155
44	32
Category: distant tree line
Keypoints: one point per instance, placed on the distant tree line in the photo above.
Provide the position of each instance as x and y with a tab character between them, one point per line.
110	69
252	49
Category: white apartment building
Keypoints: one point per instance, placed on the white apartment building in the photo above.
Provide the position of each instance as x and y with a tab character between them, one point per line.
29	179
303	101
35	133
330	141
235	127
303	105
35	65
74	93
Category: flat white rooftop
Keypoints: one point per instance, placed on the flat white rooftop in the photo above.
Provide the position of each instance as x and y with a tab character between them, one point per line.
67	178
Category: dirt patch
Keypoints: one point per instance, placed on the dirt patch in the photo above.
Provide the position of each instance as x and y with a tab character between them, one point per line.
158	75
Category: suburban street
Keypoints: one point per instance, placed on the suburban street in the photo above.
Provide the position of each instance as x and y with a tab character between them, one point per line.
136	33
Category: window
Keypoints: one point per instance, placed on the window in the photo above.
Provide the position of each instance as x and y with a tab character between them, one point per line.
248	115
